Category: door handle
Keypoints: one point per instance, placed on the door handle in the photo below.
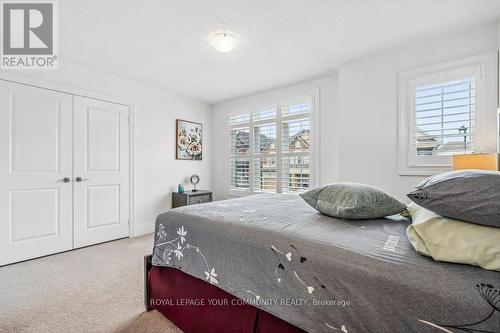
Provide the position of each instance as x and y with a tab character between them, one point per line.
80	179
66	180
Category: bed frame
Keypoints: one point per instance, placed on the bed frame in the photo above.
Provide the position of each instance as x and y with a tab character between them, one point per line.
147	267
170	283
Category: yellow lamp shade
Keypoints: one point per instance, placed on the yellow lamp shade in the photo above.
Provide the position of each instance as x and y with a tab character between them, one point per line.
476	161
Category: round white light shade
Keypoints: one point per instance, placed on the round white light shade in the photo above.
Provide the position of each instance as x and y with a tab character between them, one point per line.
224	41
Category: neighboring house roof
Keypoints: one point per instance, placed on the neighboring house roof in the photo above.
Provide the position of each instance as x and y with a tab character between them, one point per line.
300	136
454	146
266	142
243	137
425	140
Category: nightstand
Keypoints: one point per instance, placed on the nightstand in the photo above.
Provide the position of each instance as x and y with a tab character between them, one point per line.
190	198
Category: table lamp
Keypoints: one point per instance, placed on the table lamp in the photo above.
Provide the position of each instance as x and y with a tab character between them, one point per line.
486	161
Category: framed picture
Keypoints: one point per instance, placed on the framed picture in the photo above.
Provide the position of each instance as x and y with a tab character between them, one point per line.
188	140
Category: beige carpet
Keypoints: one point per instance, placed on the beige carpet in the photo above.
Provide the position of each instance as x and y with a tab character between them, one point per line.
94	289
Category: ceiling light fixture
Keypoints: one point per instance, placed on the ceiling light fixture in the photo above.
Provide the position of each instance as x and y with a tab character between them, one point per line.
224	41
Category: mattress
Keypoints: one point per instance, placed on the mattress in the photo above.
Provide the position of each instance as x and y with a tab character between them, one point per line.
323	274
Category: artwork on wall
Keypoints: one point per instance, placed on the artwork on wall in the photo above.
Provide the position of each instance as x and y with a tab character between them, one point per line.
189	140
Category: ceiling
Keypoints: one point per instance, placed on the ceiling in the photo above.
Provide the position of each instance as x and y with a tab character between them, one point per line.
164	42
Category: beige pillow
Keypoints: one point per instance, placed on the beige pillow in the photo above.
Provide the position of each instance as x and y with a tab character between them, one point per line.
445	239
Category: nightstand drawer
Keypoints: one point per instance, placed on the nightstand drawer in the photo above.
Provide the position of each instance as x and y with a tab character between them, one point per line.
199	199
190	198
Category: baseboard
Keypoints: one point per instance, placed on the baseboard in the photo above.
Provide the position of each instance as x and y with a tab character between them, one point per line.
143	228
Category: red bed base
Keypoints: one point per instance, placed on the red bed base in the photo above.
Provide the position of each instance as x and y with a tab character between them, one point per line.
195	306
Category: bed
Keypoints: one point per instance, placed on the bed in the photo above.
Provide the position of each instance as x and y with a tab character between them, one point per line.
294	270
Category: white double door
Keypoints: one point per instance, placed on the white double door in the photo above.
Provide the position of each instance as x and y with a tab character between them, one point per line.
64	172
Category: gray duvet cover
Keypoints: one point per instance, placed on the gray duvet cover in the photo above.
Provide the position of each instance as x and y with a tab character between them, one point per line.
324	274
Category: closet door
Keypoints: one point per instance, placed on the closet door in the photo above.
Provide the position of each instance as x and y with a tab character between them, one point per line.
101	171
35	172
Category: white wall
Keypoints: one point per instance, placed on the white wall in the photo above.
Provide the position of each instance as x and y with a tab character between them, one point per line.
368	106
359	112
157	172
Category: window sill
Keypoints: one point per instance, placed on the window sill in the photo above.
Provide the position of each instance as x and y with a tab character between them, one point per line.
238	194
424	171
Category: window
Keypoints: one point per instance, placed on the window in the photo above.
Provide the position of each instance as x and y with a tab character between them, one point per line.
271	149
444	117
443	110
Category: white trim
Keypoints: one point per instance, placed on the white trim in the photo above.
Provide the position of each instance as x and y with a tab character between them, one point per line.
250	154
68	89
239	193
62	87
315	149
486	66
279	150
143	229
498	131
131	135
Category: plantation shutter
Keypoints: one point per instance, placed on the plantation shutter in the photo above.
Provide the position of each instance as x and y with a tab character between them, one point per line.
270	149
445	117
239	153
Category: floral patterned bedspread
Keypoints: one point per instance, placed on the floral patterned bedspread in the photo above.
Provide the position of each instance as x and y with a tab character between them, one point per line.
324	274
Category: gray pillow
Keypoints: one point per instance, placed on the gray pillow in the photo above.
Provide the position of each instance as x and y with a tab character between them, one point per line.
352	201
467	195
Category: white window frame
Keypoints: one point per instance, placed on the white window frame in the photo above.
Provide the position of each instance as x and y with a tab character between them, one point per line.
314	168
484	68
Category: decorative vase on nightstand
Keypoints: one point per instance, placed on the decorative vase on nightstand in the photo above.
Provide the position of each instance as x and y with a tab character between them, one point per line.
180	188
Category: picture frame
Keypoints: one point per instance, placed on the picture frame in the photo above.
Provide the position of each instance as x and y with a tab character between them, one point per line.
188	140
